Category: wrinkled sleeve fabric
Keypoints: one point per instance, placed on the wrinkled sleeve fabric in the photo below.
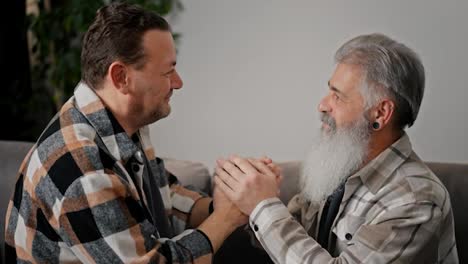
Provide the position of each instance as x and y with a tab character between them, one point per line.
398	235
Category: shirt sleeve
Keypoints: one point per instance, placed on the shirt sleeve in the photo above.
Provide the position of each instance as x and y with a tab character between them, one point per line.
182	202
102	221
398	235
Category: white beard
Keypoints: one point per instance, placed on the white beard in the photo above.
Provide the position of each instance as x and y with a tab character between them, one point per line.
333	158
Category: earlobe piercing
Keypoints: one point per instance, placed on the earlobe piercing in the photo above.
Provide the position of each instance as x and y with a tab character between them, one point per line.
376	125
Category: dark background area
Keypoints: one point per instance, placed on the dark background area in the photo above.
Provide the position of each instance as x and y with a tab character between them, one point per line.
15	73
38	77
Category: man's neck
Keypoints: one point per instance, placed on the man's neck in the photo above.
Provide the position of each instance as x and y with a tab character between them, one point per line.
381	141
113	103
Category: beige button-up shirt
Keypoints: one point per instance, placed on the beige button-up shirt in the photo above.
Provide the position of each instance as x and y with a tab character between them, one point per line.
394	210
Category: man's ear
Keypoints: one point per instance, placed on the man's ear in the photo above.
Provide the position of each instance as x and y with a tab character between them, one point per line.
119	76
382	114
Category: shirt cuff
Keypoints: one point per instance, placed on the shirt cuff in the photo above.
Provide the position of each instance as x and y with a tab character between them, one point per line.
266	212
207	239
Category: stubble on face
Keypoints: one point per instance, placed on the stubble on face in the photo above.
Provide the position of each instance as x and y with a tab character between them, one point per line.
151	102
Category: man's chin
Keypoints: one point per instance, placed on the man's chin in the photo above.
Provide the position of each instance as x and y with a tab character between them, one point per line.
165	113
326	132
156	116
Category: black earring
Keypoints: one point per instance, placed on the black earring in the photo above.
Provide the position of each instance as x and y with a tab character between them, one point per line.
375	125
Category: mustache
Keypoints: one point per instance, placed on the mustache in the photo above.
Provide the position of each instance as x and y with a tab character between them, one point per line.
327	119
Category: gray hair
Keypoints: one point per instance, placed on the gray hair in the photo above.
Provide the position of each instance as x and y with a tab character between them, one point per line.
391	69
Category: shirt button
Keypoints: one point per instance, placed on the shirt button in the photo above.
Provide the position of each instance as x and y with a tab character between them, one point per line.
348	236
255	228
135	167
139	156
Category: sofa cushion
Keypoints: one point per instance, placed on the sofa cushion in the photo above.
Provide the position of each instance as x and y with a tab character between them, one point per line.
193	175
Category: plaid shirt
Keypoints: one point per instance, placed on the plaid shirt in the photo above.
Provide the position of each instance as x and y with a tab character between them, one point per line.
75	200
394	210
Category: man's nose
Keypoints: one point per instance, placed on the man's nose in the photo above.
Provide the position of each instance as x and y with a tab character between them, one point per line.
323	105
176	82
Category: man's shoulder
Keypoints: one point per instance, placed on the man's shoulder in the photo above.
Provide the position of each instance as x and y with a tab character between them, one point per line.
421	183
410	185
66	151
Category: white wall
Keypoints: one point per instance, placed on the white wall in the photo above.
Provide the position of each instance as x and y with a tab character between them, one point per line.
254	71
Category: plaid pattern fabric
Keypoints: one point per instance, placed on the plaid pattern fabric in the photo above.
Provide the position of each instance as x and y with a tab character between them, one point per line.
74	201
394	210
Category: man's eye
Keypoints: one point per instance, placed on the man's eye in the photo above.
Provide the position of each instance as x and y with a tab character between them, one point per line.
335	96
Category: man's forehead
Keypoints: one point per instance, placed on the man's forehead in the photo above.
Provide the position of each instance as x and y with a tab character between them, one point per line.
346	78
161	44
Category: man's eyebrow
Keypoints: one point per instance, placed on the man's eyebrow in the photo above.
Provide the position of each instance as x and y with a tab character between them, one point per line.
336	90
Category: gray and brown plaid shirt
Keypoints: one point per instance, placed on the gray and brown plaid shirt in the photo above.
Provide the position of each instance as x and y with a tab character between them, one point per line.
394	210
76	201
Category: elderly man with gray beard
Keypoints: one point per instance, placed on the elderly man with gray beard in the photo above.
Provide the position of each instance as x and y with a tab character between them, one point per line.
366	197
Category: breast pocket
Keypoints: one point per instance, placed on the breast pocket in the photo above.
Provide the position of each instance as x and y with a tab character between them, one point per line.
346	228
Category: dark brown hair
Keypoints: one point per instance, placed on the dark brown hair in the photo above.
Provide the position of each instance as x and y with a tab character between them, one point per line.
116	34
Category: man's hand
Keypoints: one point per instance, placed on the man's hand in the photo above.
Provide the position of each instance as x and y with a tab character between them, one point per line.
274	168
222	204
247	182
225	218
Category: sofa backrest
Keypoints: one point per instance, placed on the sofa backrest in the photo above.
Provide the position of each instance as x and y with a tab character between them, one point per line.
455	179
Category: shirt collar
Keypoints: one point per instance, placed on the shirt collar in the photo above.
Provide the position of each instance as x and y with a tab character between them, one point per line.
377	171
114	137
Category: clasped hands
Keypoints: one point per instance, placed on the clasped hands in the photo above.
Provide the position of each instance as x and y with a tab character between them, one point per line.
246	181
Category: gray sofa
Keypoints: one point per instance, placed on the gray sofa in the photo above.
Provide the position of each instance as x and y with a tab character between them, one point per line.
197	175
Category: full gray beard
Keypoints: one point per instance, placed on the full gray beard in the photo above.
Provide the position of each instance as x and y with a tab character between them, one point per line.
333	158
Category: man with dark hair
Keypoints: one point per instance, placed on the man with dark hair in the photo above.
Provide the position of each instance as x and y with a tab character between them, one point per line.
366	197
91	189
